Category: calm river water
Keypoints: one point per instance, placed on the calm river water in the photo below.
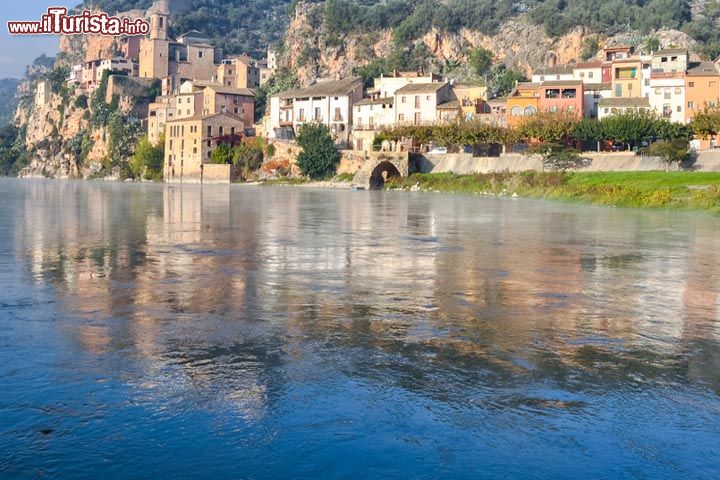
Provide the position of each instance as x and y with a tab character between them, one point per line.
246	332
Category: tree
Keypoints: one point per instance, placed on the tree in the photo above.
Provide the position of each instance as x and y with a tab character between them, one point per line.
589	130
706	123
319	153
502	80
11	150
590	48
481	61
670	151
248	156
221	155
652	44
550	127
147	162
558	157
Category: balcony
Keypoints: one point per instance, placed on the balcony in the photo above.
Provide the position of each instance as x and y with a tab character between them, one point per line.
664	74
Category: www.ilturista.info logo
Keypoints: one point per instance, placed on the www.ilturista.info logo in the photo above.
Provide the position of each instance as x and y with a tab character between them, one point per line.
57	22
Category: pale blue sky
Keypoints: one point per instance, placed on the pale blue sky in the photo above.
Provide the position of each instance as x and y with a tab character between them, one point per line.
16	52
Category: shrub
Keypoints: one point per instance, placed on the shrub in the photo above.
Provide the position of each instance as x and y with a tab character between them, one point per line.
319	153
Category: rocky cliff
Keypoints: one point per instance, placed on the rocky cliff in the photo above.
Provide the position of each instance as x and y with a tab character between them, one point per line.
518	43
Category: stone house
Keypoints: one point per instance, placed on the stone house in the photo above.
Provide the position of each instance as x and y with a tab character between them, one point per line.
189	143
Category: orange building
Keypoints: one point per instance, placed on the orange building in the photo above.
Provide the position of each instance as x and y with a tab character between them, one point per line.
523	101
702	89
562	96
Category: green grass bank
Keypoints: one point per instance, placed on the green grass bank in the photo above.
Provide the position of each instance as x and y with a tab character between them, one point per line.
660	190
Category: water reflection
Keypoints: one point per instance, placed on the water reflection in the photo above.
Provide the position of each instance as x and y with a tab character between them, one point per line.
247	301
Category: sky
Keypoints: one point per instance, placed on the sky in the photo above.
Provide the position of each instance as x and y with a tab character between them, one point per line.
18	51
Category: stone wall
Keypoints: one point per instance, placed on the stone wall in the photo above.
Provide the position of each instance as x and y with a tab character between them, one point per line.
462	163
213	173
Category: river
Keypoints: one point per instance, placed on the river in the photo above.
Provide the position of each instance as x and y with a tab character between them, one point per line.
151	331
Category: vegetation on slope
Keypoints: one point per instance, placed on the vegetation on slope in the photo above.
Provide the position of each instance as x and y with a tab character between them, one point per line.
251	25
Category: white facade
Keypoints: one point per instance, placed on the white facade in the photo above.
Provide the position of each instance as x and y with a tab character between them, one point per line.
330	103
116	64
417	104
667	97
374	114
592	95
646	74
588	74
42	93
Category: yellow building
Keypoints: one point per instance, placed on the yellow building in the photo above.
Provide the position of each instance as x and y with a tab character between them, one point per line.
189	143
155	49
472	99
627	78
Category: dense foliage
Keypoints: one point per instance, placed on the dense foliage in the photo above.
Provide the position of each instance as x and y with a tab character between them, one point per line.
251	25
12	150
8	87
319	153
628	129
147	162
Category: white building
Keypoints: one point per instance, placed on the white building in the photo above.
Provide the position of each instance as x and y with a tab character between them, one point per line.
330	103
114	65
417	103
592	94
42	93
588	72
615	106
667	96
561	73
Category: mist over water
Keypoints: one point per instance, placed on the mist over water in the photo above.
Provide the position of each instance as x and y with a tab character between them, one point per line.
152	331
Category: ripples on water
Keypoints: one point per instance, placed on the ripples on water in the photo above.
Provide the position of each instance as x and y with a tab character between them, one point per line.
153	332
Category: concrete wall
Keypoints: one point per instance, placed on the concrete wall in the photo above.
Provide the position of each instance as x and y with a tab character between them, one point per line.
707	161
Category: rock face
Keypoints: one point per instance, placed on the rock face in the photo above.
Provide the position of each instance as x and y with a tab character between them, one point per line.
518	43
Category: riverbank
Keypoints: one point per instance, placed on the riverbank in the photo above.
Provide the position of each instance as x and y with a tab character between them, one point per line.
666	190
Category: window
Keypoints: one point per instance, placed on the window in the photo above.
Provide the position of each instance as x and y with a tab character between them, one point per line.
530	110
618	90
691	105
647	82
401	118
657	91
417	101
417	118
200	53
402	99
590	74
220	131
668	95
237	110
582	74
678	90
209	131
553	108
691	84
630	85
516	111
160	22
679	108
316	115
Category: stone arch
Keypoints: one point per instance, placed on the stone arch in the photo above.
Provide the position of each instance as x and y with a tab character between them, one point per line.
381	173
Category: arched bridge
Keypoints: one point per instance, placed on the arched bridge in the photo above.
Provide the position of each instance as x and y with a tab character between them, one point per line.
381	166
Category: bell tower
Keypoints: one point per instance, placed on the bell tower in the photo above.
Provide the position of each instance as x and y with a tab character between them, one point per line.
159	26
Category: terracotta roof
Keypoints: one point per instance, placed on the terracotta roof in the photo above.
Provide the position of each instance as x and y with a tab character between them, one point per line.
702	68
451	105
559	70
219	88
332	88
377	101
590	64
205	117
628	60
562	83
671	51
598	86
624	102
411	88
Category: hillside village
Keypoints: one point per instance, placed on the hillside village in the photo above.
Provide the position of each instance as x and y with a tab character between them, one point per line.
195	100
